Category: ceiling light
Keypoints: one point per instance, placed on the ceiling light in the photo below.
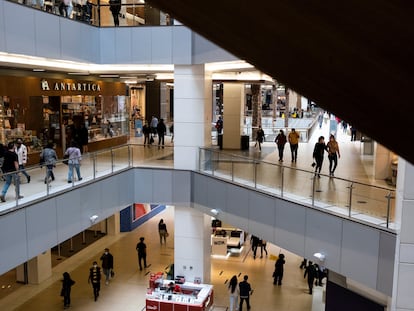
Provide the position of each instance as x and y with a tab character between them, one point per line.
79	73
109	76
38	70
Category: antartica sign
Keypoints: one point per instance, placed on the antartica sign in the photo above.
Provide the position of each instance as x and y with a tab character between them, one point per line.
70	86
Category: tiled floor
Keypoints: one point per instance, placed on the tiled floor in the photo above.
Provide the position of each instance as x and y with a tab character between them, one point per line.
127	289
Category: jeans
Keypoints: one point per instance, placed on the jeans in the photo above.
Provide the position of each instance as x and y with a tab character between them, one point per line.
70	172
281	150
8	181
333	162
107	273
23	171
233	302
294	151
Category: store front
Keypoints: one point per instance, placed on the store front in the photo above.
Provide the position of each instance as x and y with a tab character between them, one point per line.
42	110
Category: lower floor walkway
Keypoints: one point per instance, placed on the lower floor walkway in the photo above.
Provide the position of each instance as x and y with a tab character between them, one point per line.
126	291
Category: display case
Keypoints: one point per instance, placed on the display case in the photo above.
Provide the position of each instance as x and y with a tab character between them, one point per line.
191	297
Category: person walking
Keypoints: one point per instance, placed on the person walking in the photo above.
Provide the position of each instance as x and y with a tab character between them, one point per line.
280	141
260	135
293	138
146	130
333	154
115	7
254	241
74	162
233	293
318	153
279	268
10	171
162	230
95	279
245	291
48	157
21	151
142	253
262	244
67	284
107	263
310	272
153	125
161	130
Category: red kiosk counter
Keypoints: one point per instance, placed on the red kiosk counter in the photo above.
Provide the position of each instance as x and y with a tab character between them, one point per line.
191	297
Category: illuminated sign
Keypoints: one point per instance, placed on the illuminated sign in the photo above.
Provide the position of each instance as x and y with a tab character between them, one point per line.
70	86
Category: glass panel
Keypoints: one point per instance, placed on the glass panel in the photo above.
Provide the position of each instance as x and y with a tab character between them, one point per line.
223	167
121	160
269	177
297	185
244	171
103	163
371	203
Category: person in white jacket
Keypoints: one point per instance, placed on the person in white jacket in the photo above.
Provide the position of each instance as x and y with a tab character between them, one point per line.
21	151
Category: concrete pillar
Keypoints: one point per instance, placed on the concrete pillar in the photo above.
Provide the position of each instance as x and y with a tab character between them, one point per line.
192	114
403	298
233	114
38	269
256	108
192	244
382	162
113	224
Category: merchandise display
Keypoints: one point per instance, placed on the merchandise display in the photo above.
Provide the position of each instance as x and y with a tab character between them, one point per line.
166	295
226	240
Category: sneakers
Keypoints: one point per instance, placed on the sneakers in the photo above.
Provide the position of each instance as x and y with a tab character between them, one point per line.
2	198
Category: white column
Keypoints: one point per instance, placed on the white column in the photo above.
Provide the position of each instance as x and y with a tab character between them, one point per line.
382	161
233	114
403	298
192	245
113	224
192	114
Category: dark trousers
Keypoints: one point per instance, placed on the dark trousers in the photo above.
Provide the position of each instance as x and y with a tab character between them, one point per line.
310	284
160	139
318	167
96	288
66	298
294	151
142	257
115	15
278	278
281	150
333	162
247	303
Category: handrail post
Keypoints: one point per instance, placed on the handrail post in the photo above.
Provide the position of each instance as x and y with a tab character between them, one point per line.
388	208
350	198
232	169
129	155
255	174
94	164
112	160
283	179
313	189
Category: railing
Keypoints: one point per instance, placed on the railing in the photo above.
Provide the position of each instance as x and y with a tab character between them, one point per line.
97	13
364	202
94	165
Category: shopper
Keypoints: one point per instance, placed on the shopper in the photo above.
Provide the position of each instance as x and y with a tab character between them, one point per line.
262	244
260	135
310	271
115	7
67	283
219	125
318	153
279	267
245	291
107	263
21	151
95	279
254	241
48	157
280	141
293	138
153	125
142	253
146	130
162	230
83	138
10	171
161	130
74	162
333	154
233	293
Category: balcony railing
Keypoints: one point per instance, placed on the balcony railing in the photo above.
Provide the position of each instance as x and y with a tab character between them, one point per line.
356	200
98	13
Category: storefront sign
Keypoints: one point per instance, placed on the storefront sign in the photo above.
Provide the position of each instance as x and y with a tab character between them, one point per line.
70	86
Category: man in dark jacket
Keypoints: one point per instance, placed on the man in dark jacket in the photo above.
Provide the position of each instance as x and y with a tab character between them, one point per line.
161	130
142	252
310	271
245	291
107	265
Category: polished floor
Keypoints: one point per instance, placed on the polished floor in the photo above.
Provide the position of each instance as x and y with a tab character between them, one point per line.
127	290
